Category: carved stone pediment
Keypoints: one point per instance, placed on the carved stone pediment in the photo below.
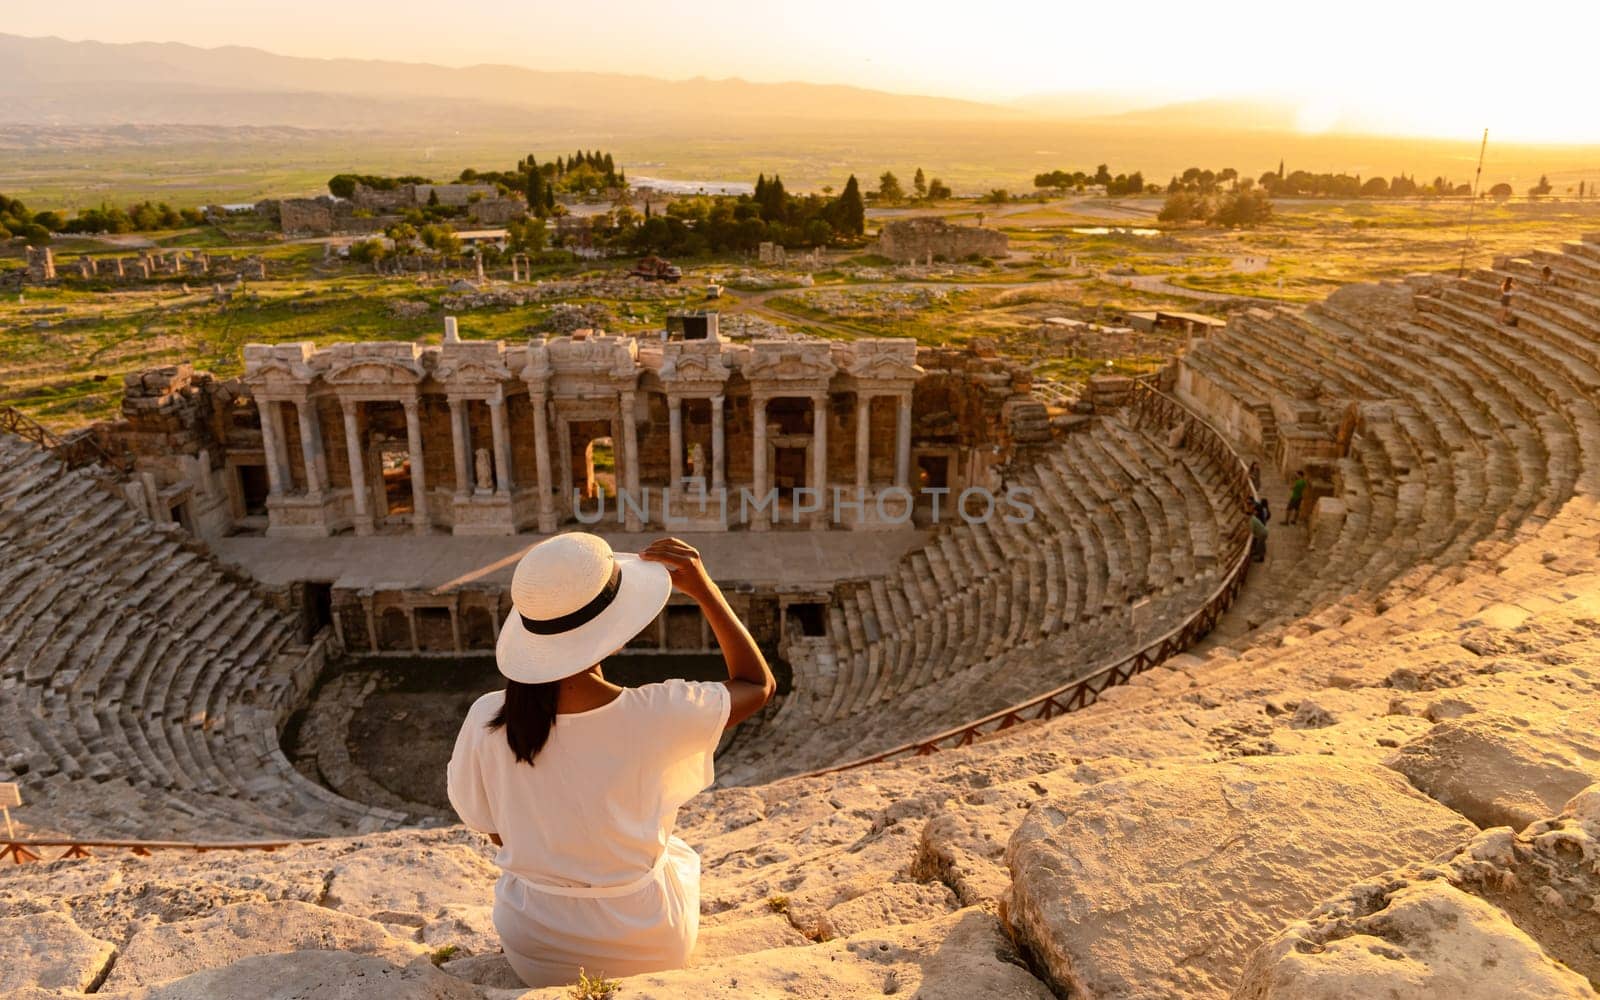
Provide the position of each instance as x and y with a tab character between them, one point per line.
884	360
595	355
694	362
279	365
373	371
472	365
790	361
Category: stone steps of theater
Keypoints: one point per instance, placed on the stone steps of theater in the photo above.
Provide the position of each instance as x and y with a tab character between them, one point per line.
1280	330
1564	295
1554	408
989	617
1586	249
1261	362
143	676
1015	604
1013	676
1464	380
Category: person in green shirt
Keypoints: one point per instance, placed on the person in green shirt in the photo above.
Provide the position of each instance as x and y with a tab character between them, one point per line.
1297	493
1258	532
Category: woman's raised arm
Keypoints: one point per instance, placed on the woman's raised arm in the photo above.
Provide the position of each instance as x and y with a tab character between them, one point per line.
750	681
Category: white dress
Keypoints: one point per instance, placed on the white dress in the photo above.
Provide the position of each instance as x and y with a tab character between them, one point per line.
593	877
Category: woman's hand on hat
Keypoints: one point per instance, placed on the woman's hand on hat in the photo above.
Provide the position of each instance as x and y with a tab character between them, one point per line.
683	565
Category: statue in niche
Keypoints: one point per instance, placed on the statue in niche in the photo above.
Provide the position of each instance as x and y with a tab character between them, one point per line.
697	462
485	471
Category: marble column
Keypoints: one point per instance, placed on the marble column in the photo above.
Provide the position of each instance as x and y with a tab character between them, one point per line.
541	444
502	446
863	440
461	446
311	447
358	468
758	476
630	441
271	446
718	480
419	478
674	443
564	445
819	456
902	443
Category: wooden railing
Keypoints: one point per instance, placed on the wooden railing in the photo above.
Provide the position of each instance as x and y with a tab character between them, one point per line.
20	851
1148	405
77	450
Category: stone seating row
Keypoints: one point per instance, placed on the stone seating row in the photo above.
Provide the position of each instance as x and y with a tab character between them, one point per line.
965	625
137	667
1470	428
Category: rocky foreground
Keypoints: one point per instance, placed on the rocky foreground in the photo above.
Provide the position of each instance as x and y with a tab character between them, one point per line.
1397	801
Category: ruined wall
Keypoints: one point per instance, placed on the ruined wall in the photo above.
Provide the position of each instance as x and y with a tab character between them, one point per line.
915	240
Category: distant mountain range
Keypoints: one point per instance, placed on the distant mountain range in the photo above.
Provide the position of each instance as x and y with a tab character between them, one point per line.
50	81
54	82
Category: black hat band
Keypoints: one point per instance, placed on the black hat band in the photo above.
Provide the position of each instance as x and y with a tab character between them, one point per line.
584	615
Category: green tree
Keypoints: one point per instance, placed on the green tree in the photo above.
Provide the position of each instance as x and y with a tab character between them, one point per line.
404	235
889	190
1243	208
997	196
1501	192
534	188
441	239
1183	206
938	190
919	184
366	251
1540	189
851	218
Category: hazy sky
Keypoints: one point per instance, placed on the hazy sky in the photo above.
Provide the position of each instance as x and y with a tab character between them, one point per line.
1526	70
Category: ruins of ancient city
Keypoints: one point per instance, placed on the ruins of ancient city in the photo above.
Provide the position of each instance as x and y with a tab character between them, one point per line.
1178	589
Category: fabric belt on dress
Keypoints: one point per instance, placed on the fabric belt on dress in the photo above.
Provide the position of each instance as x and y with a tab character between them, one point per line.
599	891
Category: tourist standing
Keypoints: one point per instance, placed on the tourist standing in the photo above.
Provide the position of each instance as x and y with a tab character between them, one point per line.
1255	476
1297	494
1507	317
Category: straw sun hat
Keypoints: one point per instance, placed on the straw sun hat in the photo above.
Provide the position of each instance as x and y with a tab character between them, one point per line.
575	602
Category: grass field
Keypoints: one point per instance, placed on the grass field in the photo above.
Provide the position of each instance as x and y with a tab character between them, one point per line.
63	349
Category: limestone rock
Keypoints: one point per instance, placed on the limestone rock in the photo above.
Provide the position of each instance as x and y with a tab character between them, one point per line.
1160	883
316	975
51	952
405	886
1500	769
959	957
718	941
1423	940
469	929
1502	915
492	971
159	953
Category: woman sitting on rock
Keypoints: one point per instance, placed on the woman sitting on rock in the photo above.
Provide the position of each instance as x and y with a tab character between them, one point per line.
579	781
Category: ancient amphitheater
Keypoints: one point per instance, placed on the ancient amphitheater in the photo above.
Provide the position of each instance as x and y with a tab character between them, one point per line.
1095	753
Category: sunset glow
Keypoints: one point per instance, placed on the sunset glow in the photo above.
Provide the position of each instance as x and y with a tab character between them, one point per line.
1376	67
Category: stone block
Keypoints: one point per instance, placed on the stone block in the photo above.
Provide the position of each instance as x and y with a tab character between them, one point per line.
1161	883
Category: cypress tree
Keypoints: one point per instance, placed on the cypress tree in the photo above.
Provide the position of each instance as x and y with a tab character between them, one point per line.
852	210
535	191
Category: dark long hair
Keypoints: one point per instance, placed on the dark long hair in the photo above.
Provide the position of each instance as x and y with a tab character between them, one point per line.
528	715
